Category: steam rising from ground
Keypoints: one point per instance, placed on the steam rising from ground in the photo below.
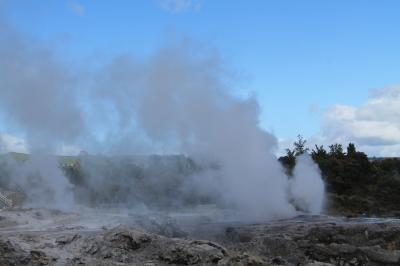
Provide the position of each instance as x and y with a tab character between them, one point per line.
307	186
37	98
176	101
41	180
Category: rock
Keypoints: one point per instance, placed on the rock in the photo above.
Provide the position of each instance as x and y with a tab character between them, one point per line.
67	239
279	246
318	263
118	244
243	260
149	263
278	261
312	241
12	255
381	255
342	242
127	239
39	258
234	235
90	248
193	253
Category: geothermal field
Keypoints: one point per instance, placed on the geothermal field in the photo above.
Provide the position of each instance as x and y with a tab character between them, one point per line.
199	236
163	132
151	211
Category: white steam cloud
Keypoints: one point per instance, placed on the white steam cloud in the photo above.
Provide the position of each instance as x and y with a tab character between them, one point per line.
179	97
176	101
306	185
37	97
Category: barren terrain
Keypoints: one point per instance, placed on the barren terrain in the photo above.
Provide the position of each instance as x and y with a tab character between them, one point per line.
202	236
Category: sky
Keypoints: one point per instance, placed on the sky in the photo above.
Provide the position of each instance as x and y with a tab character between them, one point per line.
327	70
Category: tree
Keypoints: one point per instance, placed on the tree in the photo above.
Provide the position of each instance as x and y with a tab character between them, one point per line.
300	146
289	160
291	155
351	150
319	153
336	150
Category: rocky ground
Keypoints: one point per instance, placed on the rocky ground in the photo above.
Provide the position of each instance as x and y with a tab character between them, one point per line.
48	237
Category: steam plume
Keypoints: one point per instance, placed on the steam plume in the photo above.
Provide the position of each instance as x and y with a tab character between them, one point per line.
37	97
176	101
178	97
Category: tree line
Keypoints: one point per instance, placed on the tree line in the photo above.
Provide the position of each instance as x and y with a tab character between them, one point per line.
355	184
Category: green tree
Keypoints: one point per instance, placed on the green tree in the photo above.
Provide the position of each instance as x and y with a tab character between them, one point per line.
300	146
351	150
319	153
336	150
289	160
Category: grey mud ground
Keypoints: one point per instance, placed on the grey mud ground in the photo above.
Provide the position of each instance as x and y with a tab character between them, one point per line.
198	237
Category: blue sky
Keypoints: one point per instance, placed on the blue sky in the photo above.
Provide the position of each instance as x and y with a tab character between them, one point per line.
299	57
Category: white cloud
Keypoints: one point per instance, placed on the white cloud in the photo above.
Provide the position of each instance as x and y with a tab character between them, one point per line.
374	126
76	8
176	6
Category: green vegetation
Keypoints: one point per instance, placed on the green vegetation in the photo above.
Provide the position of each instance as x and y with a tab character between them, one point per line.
355	183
